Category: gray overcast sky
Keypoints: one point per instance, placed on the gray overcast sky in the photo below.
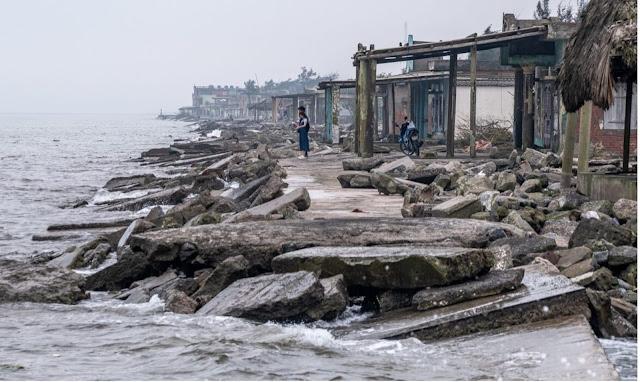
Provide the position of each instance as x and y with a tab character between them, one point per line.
142	55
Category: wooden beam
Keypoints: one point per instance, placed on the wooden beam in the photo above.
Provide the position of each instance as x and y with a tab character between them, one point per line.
585	137
518	105
451	112
527	123
335	113
473	58
443	48
626	145
567	152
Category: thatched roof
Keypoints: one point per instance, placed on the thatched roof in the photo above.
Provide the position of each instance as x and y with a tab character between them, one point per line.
602	49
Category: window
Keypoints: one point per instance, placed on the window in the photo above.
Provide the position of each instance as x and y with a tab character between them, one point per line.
614	117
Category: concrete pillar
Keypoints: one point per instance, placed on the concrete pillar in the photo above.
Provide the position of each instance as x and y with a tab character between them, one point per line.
585	137
473	61
567	153
335	113
527	122
451	109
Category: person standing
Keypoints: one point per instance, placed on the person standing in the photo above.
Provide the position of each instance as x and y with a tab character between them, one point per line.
302	126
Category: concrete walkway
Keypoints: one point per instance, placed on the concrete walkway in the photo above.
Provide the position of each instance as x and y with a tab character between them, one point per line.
319	175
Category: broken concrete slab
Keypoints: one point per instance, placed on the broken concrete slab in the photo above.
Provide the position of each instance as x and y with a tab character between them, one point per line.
515	219
544	295
244	191
388	267
218	167
594	229
492	283
260	241
620	256
390	185
333	302
355	179
127	182
25	282
230	270
267	297
560	230
298	198
523	248
425	174
398	166
457	207
362	164
580	268
569	257
169	196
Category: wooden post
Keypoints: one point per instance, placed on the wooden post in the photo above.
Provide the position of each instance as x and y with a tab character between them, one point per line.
274	110
627	126
451	114
527	124
585	137
359	83
335	113
473	58
370	118
518	104
567	153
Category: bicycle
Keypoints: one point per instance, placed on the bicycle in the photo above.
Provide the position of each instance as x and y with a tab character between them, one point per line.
410	142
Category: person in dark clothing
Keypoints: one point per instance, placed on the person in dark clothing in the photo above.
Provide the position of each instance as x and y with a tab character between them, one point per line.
403	127
302	126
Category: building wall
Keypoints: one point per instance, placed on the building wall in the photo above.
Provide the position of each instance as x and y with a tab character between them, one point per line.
611	139
492	103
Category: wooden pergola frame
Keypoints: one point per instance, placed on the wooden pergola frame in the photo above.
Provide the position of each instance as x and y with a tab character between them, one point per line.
366	62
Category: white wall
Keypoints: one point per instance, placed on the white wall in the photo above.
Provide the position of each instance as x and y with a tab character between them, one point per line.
492	103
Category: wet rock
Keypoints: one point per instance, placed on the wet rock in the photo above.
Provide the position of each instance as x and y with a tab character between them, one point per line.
137	226
522	248
141	291
569	257
531	185
622	327
579	268
170	196
155	214
131	266
603	280
355	179
204	183
515	219
602	206
457	207
601	316
333	302
625	209
534	157
229	270
268	297
248	171
74	257
389	185
485	169
361	164
568	201
494	282
442	181
179	302
630	274
425	174
96	256
217	168
24	282
593	229
559	230
474	185
298	198
260	241
506	181
389	300
534	217
204	218
396	167
388	267
270	190
620	256
237	195
128	182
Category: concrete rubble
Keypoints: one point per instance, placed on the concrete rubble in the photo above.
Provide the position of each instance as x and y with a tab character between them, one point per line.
482	245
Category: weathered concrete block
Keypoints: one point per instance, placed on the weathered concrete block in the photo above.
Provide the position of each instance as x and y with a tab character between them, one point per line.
457	207
388	267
